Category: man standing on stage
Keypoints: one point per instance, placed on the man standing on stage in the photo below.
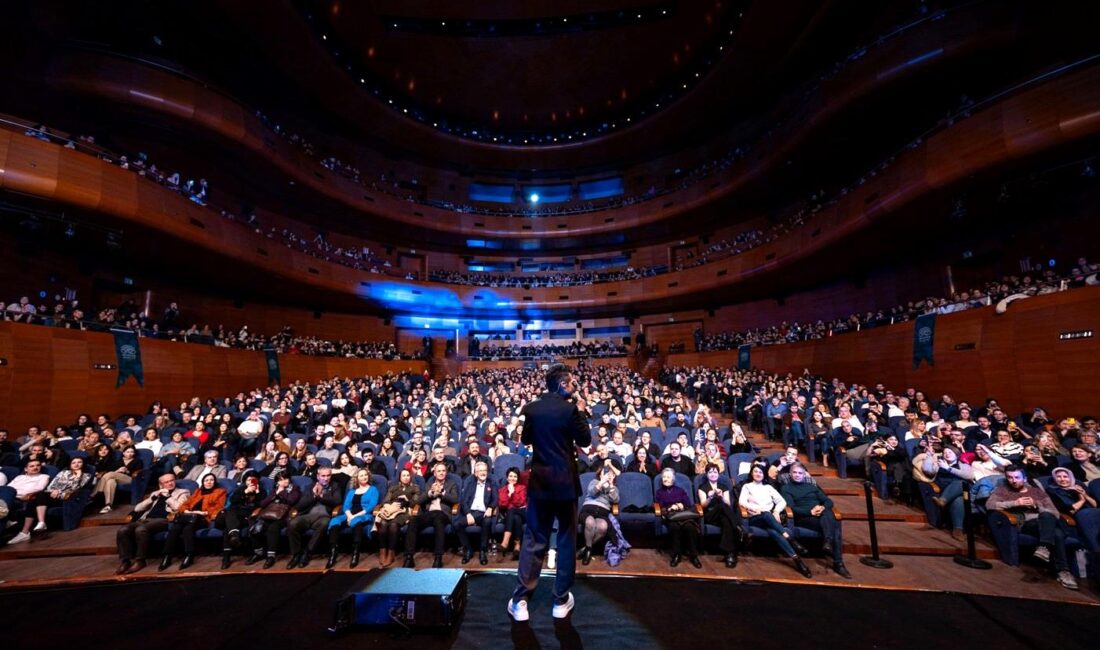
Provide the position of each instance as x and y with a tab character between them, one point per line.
554	426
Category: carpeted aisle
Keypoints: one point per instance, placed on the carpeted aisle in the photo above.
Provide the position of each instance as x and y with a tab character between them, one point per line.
294	610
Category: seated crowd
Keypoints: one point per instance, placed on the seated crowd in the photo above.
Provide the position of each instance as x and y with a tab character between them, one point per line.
573	350
391	459
69	313
1007	288
929	451
529	281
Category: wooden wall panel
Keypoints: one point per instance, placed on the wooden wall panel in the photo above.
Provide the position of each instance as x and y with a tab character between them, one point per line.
49	378
30	165
664	334
1018	358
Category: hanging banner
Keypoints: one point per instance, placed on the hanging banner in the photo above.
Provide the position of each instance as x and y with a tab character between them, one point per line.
744	357
924	335
128	353
273	375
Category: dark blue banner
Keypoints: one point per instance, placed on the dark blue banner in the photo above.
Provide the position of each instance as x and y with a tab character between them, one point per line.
744	357
273	375
924	336
128	353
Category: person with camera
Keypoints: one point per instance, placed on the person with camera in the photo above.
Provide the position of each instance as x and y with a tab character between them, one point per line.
435	511
1036	515
949	473
888	463
239	508
149	518
595	511
269	518
197	512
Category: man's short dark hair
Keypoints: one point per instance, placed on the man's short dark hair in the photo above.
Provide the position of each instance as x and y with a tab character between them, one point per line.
555	374
1016	468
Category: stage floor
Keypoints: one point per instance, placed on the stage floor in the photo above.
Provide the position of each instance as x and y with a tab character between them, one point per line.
294	610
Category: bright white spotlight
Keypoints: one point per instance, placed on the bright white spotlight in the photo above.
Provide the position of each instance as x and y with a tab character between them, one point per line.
534	198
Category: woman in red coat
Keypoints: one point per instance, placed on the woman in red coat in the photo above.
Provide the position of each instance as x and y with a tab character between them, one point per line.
513	509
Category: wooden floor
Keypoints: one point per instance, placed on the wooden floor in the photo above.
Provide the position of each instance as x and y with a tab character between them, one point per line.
922	557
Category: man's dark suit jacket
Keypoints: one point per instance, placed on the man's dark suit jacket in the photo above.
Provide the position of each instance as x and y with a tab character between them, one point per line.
470	490
555	428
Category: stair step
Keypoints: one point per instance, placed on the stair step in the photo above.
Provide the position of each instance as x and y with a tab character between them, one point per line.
116	517
93	540
854	508
902	538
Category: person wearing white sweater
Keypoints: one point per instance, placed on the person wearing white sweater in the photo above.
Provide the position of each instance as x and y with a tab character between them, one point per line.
764	505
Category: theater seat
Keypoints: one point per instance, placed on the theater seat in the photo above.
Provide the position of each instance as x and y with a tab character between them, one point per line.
1009	539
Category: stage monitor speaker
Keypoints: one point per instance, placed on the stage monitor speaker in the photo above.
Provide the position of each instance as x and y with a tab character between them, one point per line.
407	598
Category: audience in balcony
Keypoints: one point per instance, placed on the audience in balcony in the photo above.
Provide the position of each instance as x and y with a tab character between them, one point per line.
573	350
67	313
1042	282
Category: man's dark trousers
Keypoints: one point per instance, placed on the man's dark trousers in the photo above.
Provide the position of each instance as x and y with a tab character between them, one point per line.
541	514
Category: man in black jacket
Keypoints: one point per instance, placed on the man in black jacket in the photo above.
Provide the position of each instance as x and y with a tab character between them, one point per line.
436	503
314	512
678	462
476	507
554	426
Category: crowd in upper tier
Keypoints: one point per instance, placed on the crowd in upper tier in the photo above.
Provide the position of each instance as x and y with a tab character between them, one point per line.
70	313
573	350
995	292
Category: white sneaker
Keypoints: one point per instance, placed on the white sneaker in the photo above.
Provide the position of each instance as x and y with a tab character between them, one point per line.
552	559
105	510
40	526
1041	553
518	610
1066	579
562	610
20	538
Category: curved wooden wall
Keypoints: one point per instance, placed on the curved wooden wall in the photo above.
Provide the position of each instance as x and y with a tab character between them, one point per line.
48	378
160	91
1061	111
1016	358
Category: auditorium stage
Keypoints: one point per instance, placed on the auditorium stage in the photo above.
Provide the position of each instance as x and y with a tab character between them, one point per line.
294	609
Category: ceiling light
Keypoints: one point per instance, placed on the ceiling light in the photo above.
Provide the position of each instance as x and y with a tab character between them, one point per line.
534	198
